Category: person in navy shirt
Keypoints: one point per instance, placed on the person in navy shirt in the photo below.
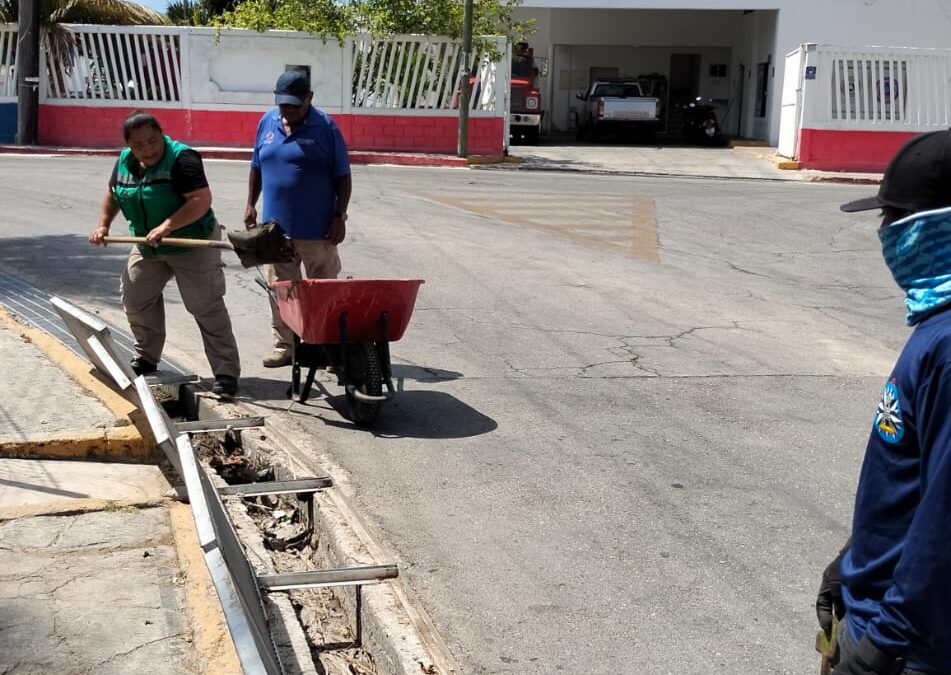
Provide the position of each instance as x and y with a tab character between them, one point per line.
891	584
301	167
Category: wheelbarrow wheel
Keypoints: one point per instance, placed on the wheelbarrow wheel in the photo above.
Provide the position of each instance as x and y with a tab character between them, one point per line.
366	375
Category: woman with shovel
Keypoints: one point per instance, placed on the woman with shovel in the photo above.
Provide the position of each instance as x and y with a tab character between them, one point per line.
159	185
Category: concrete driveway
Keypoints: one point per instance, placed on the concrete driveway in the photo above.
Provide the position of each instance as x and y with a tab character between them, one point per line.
665	157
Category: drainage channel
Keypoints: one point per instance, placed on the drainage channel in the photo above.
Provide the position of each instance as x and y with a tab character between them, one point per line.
354	629
303	586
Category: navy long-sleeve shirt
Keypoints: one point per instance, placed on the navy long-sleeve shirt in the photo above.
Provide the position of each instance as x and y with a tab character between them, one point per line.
897	574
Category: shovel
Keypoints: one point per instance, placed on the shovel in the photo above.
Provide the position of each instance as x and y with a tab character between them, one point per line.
261	245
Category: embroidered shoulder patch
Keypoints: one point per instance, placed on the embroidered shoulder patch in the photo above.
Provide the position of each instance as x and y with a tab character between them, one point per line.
888	420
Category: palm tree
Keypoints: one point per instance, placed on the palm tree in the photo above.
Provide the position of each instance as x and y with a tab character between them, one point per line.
109	12
56	14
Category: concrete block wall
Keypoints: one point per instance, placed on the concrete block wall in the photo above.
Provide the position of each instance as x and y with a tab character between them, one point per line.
101	127
837	150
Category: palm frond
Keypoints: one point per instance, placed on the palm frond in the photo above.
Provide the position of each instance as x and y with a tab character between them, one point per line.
113	12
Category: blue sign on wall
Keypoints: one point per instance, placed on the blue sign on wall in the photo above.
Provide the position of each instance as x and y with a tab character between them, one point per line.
8	122
810	72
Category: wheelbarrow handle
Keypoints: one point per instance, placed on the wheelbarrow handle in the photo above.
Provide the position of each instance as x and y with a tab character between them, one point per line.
172	241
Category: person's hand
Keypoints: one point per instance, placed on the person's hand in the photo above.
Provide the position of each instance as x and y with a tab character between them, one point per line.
156	235
868	659
338	230
98	236
829	600
250	217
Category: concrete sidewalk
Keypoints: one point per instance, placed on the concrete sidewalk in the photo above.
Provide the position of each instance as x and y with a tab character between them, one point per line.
99	571
743	161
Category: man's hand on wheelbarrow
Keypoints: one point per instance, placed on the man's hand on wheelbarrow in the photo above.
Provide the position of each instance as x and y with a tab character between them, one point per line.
250	216
338	229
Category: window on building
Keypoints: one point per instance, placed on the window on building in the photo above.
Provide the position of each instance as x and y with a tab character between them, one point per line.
717	70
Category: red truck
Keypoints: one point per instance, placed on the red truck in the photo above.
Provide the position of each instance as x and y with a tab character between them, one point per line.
525	106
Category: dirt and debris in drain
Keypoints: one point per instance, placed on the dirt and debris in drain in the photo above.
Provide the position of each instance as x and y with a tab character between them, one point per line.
282	521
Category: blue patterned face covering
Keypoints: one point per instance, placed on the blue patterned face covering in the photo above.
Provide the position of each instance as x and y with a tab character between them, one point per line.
917	250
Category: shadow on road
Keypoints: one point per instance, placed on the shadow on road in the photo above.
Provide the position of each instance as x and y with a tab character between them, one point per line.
409	414
66	264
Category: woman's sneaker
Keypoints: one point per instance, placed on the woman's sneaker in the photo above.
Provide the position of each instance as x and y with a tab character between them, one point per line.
225	386
142	367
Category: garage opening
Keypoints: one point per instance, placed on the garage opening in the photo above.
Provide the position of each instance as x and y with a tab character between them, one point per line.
724	57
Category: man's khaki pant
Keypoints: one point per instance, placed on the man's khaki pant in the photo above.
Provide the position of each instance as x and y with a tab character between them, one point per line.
320	260
201	283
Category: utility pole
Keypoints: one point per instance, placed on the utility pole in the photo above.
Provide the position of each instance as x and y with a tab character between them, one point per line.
28	71
464	95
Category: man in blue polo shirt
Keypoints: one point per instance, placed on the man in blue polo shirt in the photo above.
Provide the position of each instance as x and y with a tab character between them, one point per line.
892	582
300	164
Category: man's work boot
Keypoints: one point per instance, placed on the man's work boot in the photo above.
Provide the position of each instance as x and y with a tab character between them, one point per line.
277	359
225	387
142	367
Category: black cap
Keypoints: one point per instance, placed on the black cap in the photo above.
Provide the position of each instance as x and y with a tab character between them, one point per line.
292	88
917	179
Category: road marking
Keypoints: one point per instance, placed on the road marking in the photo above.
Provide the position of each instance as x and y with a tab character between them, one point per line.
625	225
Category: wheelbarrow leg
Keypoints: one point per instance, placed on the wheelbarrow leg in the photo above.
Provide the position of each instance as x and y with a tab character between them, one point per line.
308	383
304	355
383	348
295	371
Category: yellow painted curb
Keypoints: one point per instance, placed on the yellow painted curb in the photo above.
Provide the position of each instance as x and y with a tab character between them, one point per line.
123	444
210	637
787	164
492	159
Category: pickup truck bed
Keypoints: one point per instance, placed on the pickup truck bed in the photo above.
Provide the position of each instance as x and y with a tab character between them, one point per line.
618	106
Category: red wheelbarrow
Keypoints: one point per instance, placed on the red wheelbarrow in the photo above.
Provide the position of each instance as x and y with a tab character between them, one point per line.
348	324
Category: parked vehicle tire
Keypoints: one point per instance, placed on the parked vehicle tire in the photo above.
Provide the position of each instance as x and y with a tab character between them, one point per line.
366	375
531	136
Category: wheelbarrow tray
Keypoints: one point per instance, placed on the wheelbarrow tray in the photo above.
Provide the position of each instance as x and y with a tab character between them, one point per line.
312	308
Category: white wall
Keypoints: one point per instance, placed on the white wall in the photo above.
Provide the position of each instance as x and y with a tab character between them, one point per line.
241	67
901	23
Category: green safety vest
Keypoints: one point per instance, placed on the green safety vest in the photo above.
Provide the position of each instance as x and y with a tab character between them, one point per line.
147	200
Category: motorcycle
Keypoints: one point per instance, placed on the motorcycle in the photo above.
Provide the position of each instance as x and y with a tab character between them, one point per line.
700	123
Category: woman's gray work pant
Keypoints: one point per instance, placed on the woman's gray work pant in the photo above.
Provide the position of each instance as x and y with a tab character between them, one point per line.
201	283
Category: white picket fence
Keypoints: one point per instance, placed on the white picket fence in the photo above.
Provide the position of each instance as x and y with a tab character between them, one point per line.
8	48
136	65
865	89
420	72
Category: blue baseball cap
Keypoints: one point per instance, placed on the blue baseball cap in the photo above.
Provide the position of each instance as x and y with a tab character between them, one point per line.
292	88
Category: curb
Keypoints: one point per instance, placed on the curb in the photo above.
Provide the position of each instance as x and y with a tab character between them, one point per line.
122	442
116	444
852	180
77	507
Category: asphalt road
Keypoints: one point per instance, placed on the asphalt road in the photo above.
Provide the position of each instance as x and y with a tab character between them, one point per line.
632	410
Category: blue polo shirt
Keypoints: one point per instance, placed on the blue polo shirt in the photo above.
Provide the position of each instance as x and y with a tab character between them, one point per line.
299	171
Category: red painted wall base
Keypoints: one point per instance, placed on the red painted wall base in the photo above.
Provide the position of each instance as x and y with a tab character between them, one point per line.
94	127
866	151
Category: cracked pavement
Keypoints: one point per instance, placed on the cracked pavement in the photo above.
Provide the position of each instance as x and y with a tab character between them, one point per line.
91	593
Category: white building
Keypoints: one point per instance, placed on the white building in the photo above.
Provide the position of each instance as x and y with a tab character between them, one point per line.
729	51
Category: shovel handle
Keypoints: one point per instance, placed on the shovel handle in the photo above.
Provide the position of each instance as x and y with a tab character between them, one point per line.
172	241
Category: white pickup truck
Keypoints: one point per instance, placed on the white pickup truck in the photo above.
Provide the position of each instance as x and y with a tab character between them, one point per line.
618	106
